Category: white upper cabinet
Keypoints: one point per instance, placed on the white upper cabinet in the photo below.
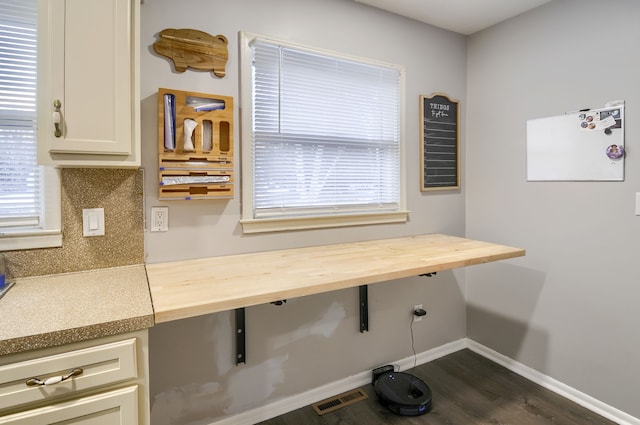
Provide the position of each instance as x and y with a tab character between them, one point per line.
89	69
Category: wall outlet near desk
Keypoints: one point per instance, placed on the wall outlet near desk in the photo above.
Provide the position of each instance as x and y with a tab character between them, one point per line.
159	219
418	312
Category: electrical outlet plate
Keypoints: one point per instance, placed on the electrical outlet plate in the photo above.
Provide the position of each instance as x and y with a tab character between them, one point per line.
416	318
159	219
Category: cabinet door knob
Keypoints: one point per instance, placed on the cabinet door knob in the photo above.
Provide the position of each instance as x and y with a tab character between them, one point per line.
57	118
38	382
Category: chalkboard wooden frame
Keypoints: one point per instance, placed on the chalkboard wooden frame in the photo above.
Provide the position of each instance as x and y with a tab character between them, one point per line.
439	142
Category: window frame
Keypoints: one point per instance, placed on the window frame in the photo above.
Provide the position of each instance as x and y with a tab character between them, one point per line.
249	223
48	233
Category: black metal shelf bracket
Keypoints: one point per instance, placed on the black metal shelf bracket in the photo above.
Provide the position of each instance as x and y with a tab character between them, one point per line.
241	354
241	343
364	308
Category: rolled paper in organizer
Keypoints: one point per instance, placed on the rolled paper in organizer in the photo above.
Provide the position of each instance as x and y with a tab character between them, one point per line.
207	135
189	126
169	122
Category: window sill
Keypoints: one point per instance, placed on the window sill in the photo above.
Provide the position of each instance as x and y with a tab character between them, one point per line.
304	223
15	241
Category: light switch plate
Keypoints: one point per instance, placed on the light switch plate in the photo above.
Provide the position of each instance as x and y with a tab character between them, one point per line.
637	203
93	222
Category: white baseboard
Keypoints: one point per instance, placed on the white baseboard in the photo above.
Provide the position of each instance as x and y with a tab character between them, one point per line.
554	385
289	404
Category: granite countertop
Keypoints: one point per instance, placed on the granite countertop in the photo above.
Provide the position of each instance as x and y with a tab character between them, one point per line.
46	311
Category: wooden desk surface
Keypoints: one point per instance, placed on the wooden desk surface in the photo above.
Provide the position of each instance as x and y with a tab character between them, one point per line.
189	288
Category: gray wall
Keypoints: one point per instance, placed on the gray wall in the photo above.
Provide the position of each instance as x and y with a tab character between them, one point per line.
313	340
569	308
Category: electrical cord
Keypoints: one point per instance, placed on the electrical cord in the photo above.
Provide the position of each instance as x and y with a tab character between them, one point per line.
418	312
413	347
415	361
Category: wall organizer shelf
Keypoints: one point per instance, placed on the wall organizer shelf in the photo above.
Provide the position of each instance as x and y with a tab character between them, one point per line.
195	145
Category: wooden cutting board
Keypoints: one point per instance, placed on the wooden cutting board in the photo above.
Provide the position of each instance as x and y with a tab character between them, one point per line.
189	48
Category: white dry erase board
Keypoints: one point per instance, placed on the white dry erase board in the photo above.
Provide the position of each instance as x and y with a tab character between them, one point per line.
585	145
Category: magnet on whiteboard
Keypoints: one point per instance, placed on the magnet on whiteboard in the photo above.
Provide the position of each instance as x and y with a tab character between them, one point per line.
615	151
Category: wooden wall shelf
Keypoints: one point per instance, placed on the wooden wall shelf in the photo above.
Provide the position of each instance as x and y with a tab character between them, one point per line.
189	288
201	167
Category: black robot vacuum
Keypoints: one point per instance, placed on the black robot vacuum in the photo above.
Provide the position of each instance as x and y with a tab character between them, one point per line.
403	393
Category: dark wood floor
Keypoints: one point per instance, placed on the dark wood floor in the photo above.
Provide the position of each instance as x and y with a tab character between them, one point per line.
467	389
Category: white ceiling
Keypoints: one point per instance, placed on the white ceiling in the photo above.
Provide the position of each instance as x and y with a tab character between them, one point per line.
461	16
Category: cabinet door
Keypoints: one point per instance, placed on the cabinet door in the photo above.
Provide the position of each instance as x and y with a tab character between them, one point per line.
88	64
119	407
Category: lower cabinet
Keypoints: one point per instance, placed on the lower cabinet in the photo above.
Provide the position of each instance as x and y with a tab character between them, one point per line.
118	407
95	382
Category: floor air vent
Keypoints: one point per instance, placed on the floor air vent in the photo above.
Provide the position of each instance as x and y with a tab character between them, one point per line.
339	401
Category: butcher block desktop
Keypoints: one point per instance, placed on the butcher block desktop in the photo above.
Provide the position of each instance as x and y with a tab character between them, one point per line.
188	288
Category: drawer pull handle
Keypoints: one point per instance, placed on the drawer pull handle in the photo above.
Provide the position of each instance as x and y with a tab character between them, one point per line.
37	382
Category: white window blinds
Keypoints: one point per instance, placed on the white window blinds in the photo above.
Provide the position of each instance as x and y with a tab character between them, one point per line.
325	134
20	181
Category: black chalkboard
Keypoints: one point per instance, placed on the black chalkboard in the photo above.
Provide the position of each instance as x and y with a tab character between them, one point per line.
439	143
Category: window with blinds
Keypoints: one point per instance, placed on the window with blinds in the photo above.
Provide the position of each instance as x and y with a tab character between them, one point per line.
23	184
325	135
